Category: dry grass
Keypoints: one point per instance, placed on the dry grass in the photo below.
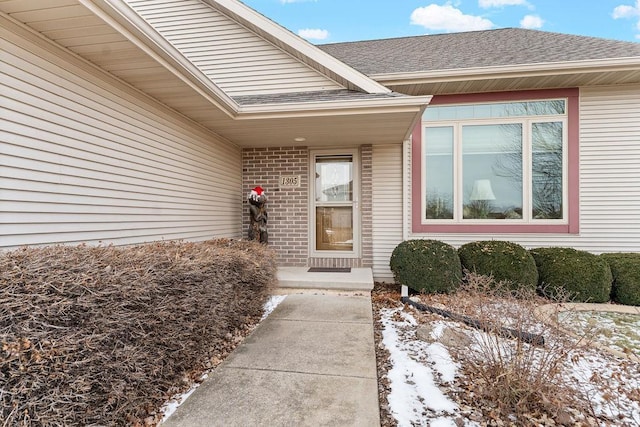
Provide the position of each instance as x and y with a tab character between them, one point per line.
105	335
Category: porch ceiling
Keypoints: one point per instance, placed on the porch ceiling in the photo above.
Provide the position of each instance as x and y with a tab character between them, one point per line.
100	35
331	130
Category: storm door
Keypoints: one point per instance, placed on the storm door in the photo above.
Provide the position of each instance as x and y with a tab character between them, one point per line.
335	204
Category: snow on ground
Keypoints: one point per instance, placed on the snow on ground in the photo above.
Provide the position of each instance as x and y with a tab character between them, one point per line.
170	407
620	331
417	368
591	369
420	369
271	304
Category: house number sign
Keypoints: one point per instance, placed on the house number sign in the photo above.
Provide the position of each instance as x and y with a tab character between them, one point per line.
290	181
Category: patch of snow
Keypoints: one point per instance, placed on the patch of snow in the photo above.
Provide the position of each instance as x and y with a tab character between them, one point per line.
443	363
271	304
170	407
442	422
438	329
408	318
590	369
414	390
619	331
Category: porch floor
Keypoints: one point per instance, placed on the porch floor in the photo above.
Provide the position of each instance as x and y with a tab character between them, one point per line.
300	280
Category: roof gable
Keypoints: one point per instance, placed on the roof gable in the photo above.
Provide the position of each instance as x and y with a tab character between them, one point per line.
236	59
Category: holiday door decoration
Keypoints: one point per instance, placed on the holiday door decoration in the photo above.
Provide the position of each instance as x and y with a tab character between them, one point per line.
258	215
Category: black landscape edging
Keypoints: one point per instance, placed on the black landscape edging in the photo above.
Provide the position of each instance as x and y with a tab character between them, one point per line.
527	337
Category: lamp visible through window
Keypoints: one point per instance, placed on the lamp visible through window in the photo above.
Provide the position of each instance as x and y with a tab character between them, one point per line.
482	190
480	200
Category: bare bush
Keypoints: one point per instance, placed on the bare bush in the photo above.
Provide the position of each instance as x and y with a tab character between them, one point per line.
106	335
520	379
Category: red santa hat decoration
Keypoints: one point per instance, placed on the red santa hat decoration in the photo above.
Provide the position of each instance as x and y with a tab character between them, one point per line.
256	193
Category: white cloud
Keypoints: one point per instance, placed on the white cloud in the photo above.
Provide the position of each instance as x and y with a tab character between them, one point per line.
486	4
626	11
447	18
531	22
313	34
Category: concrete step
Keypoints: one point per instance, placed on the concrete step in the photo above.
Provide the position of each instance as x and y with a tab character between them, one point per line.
299	278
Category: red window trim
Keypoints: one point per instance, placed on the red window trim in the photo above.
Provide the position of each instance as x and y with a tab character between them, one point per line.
573	158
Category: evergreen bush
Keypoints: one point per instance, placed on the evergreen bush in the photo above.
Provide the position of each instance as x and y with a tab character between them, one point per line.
504	261
428	266
625	268
568	272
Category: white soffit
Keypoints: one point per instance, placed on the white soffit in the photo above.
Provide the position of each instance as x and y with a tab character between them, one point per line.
121	17
380	118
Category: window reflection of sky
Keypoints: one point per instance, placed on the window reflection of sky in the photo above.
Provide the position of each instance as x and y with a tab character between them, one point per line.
495	110
334	179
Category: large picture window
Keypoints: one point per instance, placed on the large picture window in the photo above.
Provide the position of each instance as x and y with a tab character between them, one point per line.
488	165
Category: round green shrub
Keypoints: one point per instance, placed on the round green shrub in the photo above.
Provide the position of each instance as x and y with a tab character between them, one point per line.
504	261
625	268
579	275
428	266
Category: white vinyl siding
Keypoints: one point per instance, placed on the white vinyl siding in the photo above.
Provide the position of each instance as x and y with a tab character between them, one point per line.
234	58
387	207
83	159
609	178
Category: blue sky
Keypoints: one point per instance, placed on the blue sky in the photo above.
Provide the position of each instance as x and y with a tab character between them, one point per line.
328	21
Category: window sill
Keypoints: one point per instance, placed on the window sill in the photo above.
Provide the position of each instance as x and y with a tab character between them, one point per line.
493	228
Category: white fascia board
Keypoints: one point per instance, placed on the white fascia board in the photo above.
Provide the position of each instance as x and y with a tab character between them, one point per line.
240	11
329	108
127	22
511	71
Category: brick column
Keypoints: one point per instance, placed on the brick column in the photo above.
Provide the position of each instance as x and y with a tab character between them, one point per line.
287	207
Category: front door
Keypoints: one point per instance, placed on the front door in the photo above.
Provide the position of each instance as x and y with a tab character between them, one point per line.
335	204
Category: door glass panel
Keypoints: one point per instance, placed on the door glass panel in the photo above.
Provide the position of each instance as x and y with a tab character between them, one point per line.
334	228
334	179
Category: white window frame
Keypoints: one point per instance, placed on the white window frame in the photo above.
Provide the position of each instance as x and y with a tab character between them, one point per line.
527	172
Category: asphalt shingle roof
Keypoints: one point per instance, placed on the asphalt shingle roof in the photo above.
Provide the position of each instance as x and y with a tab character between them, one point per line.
316	96
508	46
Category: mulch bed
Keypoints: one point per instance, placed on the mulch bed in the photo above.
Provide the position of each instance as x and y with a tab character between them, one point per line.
383	296
106	335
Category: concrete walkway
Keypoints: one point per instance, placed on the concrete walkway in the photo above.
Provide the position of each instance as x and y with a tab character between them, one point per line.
310	363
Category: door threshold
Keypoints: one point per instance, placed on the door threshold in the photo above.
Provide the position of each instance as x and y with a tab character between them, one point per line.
329	270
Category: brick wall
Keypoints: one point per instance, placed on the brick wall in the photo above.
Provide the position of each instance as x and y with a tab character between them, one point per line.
288	207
